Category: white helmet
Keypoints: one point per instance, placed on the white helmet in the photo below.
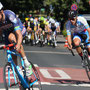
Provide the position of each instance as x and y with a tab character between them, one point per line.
1	6
53	21
31	19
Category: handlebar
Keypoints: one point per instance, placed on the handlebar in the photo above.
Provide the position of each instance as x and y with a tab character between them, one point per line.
7	46
72	52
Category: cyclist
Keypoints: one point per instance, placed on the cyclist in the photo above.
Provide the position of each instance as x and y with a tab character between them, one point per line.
32	29
78	28
27	23
14	30
54	28
43	25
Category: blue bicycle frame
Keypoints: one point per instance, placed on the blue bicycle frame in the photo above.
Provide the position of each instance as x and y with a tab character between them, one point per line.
14	68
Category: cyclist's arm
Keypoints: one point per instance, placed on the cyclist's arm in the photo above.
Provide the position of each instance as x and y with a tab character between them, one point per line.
17	30
19	37
88	29
69	40
35	27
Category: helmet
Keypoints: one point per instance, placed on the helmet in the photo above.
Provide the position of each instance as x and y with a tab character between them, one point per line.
42	19
31	19
26	19
72	14
52	21
1	6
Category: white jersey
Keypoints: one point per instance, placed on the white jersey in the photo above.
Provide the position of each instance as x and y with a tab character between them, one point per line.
81	25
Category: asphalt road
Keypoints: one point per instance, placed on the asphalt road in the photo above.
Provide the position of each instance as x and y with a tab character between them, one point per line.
49	61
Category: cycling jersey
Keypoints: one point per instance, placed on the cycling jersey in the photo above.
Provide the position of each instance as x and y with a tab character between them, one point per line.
42	24
80	28
11	24
32	25
57	24
12	21
81	25
52	27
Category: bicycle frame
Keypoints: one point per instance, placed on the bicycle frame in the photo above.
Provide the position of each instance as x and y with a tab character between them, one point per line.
23	79
14	68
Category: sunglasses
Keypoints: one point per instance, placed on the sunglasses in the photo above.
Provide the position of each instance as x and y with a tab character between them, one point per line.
72	18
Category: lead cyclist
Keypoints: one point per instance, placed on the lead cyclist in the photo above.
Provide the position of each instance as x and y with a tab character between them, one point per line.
14	30
77	26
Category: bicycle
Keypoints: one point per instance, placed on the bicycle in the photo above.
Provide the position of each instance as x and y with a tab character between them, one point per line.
85	60
41	39
52	39
14	76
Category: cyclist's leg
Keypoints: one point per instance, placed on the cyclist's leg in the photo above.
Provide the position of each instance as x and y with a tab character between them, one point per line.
76	41
37	36
11	38
26	62
55	32
43	32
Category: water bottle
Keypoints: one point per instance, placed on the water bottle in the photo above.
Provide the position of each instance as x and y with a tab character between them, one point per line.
20	71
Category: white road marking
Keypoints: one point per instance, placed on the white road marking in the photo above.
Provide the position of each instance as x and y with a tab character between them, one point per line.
61	73
56	84
17	89
48	52
35	65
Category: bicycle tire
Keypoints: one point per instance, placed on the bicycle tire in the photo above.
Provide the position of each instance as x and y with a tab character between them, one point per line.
35	76
87	65
12	81
54	45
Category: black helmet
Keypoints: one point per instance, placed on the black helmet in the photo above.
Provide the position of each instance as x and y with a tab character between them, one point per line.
72	14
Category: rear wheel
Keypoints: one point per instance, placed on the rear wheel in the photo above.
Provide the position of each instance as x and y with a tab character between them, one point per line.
35	79
11	80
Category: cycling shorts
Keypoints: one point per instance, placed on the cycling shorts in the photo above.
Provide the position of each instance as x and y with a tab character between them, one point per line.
7	32
75	35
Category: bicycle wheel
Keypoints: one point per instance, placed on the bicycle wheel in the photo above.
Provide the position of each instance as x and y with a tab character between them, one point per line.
35	82
11	80
54	45
87	65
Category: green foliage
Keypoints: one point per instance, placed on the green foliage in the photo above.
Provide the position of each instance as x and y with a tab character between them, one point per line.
64	33
60	7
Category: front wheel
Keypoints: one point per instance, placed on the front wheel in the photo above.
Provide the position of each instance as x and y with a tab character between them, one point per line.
10	78
35	82
87	66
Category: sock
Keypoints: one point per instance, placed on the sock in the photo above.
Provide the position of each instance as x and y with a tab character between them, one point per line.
81	55
26	61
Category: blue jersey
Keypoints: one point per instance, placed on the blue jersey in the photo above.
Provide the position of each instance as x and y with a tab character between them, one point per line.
81	25
11	20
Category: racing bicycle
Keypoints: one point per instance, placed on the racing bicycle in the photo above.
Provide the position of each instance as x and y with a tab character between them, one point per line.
14	75
85	61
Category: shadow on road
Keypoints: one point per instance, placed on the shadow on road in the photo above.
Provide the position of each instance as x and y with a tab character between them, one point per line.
73	82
